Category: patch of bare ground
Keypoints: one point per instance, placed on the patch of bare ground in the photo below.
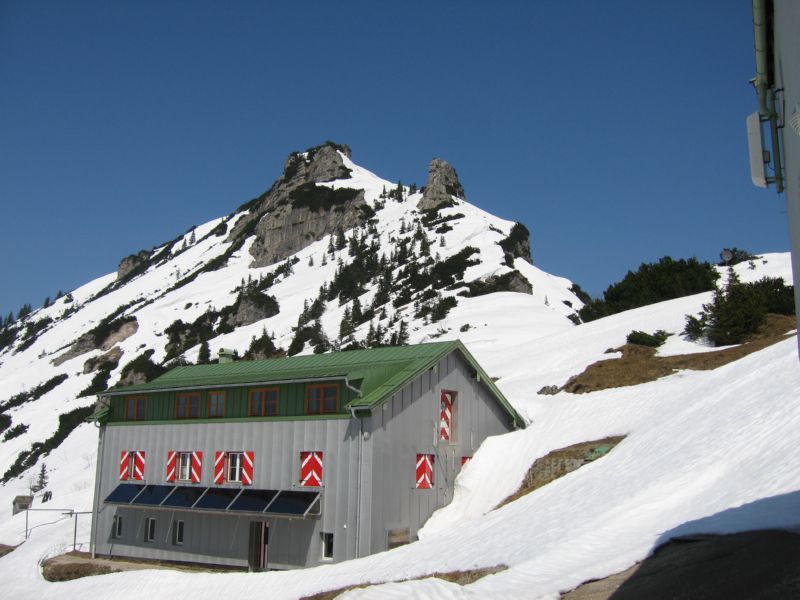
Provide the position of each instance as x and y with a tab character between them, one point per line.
459	577
74	565
753	564
560	462
4	549
639	364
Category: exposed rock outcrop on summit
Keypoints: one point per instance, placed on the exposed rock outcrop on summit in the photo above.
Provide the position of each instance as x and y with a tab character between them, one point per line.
442	184
295	211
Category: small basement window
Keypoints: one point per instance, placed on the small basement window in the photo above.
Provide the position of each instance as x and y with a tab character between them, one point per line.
116	529
327	545
150	529
177	532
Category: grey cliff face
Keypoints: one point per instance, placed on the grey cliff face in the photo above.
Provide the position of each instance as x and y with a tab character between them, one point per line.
442	184
296	212
129	263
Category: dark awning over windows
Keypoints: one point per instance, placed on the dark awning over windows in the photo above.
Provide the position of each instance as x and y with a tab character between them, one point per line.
280	503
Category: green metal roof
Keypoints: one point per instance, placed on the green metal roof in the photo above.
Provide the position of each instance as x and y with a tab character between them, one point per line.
376	372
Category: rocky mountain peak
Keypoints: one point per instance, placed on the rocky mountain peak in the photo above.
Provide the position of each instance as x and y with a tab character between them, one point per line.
316	165
442	184
296	212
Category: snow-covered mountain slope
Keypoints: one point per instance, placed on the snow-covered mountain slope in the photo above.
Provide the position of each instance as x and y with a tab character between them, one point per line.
710	451
706	451
397	262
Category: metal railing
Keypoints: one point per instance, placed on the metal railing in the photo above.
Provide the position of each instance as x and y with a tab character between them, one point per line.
66	512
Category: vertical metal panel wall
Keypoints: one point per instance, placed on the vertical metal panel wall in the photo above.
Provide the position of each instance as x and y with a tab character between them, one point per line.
407	424
223	539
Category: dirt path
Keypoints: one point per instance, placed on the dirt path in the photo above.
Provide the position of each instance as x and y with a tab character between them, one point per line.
74	565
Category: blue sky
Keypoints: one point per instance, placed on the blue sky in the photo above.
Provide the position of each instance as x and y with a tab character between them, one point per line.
613	130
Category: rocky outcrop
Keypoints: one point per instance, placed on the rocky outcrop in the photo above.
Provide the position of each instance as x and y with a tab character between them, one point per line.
513	281
252	308
92	341
109	359
129	263
441	186
296	212
517	244
290	228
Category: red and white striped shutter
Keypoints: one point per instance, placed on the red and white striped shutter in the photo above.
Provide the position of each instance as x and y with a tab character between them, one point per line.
445	416
465	460
124	464
424	471
248	458
172	459
197	466
311	469
138	465
219	467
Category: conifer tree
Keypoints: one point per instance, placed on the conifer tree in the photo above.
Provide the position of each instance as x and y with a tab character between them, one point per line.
341	242
204	355
357	316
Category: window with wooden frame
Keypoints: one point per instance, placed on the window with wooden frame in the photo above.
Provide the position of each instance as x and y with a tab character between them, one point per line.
135	408
322	398
187	405
216	404
263	402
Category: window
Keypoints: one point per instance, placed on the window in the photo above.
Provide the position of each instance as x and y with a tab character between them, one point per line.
327	545
424	472
323	398
177	532
447	417
135	408
187	406
184	466
216	404
263	402
234	470
116	529
131	465
150	529
234	467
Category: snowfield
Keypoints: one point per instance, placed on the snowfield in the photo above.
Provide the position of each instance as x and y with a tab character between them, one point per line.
706	451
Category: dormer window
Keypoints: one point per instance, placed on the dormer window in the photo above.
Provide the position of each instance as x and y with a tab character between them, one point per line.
322	398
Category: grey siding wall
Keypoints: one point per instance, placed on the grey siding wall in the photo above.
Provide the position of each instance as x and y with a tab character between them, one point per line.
223	539
407	424
787	71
